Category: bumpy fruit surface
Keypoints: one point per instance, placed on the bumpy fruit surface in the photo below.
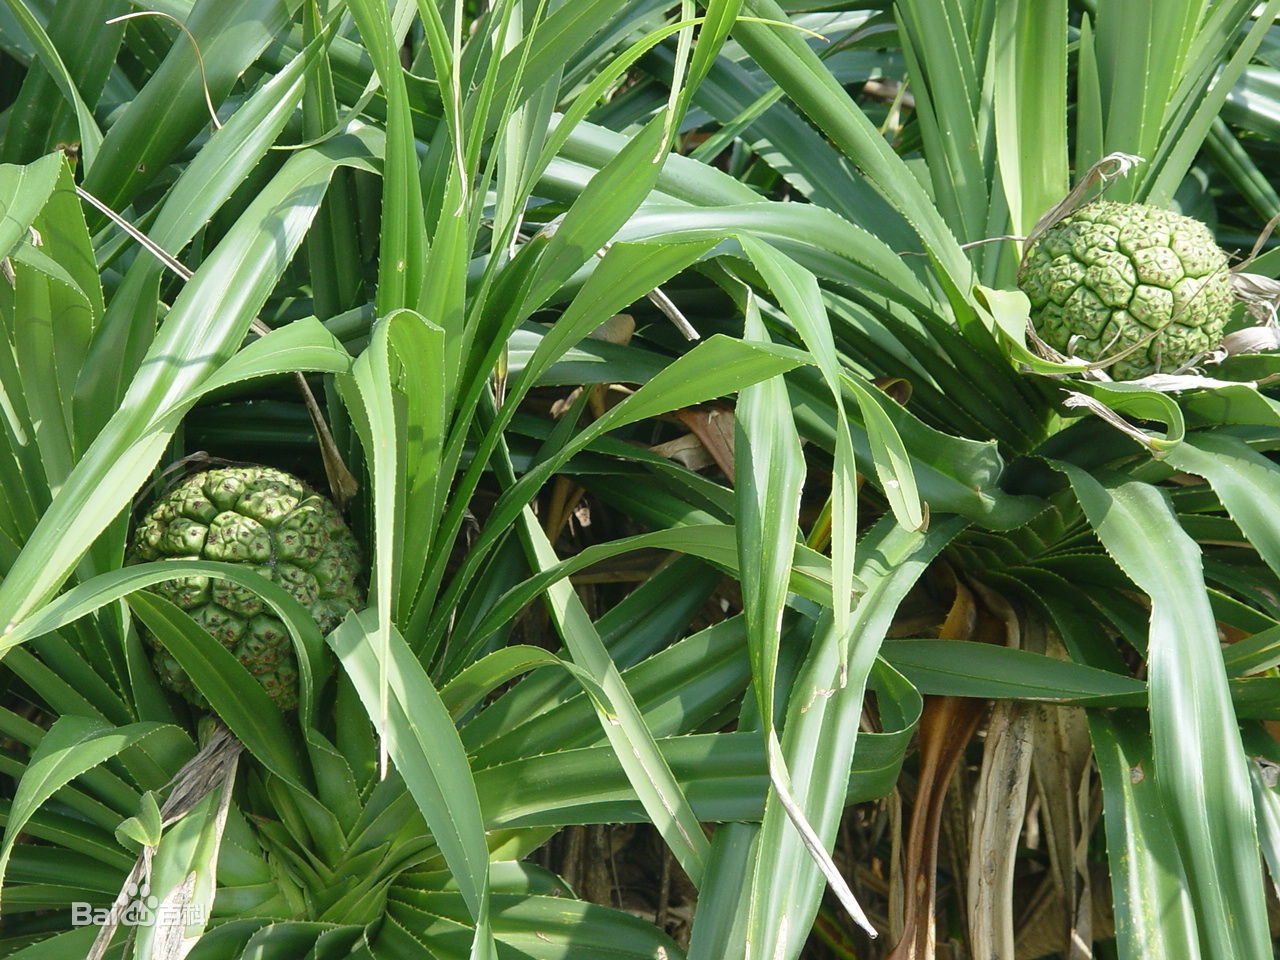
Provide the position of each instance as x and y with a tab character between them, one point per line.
1112	274
273	523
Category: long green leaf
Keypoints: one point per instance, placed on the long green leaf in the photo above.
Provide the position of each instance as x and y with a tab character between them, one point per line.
427	752
204	185
1199	760
948	668
23	193
368	393
90	135
769	472
72	746
1155	915
798	294
818	740
648	772
42	117
404	237
797	69
1247	482
236	696
170	109
1029	54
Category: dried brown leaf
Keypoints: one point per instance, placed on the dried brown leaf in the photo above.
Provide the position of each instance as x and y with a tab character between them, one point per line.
714	427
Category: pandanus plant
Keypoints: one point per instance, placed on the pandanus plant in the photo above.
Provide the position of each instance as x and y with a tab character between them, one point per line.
390	812
1104	537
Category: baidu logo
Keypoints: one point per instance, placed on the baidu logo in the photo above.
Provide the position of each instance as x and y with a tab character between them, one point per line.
137	907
